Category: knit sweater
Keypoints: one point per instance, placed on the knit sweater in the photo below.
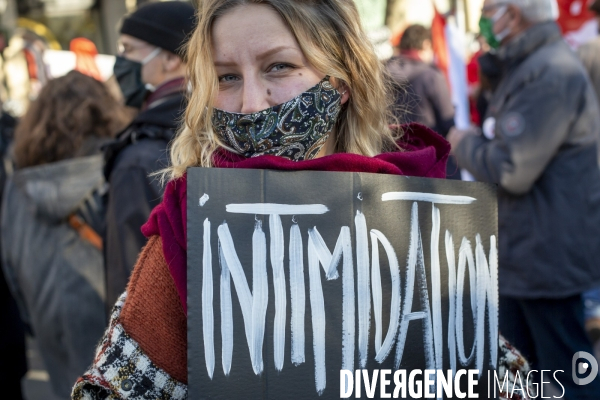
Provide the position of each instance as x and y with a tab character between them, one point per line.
143	353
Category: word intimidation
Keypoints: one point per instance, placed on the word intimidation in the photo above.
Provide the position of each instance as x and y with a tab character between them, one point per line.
360	300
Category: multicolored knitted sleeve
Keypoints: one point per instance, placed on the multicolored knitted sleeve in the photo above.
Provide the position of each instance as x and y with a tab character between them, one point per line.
121	370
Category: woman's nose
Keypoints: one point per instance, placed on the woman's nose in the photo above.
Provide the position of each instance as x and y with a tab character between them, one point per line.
255	96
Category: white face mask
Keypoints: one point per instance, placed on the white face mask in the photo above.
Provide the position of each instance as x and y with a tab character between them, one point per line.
151	56
499	14
145	61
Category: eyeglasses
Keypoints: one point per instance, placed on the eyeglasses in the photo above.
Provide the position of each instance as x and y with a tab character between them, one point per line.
125	48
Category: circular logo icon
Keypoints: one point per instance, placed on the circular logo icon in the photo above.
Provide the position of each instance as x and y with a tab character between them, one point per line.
512	124
579	367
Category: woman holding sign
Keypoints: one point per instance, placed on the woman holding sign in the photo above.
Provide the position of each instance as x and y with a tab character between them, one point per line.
276	84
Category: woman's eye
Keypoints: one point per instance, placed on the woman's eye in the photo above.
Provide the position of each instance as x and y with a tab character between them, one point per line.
280	67
227	78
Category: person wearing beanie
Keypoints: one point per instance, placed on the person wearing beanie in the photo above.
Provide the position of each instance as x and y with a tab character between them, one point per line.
150	69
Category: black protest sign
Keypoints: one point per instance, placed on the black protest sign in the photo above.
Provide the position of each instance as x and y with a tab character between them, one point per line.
295	276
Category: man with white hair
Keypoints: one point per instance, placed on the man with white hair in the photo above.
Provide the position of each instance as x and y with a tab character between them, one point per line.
539	144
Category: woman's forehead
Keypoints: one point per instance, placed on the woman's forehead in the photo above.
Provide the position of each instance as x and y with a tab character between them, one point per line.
251	28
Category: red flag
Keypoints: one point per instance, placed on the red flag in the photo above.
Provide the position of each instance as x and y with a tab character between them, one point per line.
573	14
438	39
576	21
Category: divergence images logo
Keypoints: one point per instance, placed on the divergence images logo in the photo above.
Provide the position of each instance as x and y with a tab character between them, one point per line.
582	367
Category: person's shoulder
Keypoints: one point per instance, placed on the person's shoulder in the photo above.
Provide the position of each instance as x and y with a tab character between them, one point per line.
590	50
554	65
433	71
565	62
554	54
396	68
143	153
593	44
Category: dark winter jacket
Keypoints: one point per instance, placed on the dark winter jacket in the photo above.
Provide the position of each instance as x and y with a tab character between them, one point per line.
13	364
544	157
139	150
55	274
422	93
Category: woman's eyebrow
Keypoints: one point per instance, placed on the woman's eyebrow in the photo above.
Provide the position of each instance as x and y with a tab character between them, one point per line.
274	50
225	64
260	56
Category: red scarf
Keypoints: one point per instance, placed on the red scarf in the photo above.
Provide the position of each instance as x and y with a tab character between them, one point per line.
413	54
425	156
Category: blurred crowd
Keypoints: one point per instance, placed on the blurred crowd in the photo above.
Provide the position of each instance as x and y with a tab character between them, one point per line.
80	157
77	187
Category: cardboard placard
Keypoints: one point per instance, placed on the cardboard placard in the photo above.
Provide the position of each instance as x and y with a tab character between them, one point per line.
294	276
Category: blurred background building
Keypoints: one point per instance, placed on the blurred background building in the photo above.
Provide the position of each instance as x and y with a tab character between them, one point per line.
62	20
41	39
36	36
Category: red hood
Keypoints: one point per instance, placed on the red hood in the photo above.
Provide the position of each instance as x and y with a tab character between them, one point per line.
425	156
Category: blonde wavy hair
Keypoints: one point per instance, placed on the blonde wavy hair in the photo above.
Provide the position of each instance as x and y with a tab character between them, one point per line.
330	35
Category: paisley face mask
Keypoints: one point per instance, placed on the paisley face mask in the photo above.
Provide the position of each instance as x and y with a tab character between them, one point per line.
296	129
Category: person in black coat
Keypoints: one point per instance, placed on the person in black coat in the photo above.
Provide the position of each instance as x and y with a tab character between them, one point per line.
150	70
13	363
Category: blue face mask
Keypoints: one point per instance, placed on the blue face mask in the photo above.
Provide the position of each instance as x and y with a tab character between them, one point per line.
296	129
